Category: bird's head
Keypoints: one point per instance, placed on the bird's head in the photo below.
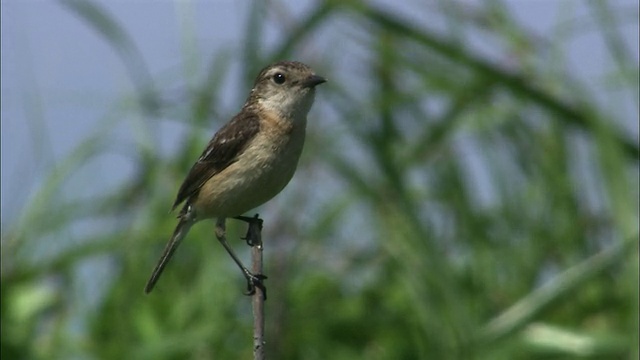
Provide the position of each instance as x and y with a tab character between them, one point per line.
286	87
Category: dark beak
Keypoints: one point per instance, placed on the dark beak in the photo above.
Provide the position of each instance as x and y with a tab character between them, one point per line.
313	80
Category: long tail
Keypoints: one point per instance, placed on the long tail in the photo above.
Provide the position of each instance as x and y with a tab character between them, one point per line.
179	233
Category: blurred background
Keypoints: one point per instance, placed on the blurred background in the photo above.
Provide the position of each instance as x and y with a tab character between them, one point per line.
469	186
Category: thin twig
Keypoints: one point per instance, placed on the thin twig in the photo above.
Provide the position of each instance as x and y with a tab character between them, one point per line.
260	294
258	291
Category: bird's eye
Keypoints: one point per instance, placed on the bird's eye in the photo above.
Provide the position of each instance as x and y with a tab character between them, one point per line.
279	78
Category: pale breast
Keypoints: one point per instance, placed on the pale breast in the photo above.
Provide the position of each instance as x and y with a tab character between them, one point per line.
261	172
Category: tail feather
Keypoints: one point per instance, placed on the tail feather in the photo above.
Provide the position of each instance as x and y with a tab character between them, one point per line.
179	233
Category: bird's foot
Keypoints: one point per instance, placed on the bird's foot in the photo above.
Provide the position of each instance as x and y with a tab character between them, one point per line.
255	281
253	231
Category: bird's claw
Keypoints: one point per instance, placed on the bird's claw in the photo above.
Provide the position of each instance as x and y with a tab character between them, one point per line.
255	281
253	231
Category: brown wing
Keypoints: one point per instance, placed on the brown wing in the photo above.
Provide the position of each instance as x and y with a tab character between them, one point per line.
223	150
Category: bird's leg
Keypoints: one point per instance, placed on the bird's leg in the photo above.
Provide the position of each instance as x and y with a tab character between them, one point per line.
253	281
253	231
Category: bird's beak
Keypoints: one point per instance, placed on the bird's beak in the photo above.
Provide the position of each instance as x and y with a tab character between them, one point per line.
313	80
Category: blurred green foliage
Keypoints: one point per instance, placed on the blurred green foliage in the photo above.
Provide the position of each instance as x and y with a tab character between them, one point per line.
446	207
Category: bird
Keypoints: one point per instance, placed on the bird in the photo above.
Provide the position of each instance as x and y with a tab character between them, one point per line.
249	160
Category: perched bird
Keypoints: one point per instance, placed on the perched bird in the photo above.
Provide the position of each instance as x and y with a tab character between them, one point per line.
250	159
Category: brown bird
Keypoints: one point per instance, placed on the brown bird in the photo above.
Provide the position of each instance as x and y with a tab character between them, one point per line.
250	159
